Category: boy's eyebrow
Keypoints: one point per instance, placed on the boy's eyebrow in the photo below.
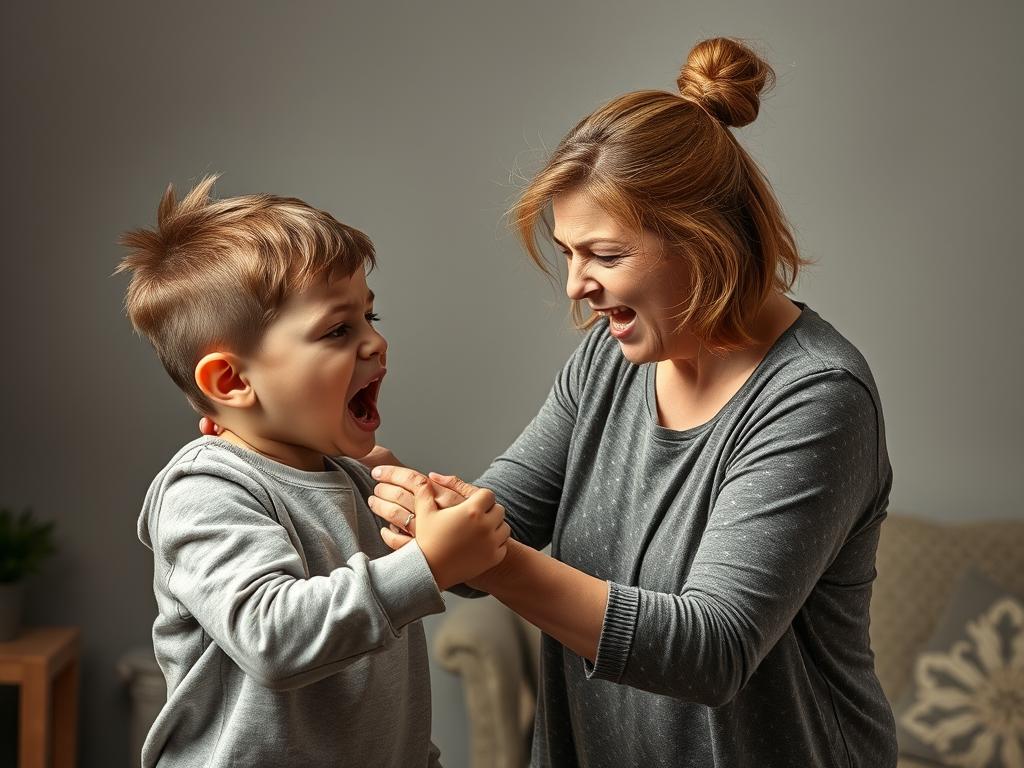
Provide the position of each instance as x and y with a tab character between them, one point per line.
345	306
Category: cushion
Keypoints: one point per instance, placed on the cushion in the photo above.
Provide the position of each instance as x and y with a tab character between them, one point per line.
920	561
965	703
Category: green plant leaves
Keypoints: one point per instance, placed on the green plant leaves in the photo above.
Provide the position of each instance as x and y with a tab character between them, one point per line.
24	544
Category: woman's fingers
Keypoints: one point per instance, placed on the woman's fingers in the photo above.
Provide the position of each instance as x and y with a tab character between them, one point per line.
393	513
423	496
395	494
403	478
453	483
208	426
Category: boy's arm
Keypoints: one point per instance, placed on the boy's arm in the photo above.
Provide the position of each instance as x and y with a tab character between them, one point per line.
234	568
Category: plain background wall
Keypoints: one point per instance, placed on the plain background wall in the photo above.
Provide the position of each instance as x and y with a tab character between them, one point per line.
892	140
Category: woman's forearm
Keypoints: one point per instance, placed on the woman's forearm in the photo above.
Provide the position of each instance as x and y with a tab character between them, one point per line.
562	602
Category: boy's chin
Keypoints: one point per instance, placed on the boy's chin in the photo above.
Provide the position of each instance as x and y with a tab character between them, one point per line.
356	449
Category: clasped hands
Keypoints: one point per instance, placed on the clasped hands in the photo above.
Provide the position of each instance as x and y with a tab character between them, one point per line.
460	528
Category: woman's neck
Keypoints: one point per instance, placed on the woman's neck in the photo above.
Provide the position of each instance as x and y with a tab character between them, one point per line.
691	392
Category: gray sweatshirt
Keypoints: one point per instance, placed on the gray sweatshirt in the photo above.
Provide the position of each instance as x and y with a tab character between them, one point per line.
739	554
288	633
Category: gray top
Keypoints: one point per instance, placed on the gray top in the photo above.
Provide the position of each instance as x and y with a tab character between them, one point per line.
288	632
739	554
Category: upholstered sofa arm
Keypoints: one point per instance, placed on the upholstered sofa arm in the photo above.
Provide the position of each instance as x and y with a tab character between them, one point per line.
482	642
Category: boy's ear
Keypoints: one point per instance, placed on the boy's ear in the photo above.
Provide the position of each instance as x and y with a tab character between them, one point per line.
219	377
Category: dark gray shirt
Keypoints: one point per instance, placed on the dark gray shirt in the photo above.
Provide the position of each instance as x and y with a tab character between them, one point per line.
740	556
288	632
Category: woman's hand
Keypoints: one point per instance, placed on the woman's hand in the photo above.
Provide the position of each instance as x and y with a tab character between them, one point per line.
394	502
208	426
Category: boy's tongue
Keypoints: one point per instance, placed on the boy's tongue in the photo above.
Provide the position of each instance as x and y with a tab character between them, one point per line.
362	408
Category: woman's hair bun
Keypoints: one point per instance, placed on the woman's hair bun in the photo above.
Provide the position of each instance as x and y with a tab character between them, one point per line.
725	78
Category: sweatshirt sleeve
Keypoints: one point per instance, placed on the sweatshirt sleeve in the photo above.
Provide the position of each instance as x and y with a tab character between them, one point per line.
799	486
233	568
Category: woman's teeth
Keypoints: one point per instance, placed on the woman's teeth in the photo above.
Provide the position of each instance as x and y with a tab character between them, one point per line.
620	317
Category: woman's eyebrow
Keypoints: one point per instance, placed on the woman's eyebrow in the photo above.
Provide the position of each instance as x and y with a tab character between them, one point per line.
591	242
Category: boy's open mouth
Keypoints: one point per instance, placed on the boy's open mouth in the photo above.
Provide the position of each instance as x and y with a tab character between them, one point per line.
363	406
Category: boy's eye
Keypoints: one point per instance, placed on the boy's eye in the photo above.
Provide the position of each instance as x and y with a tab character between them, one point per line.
372	317
337	332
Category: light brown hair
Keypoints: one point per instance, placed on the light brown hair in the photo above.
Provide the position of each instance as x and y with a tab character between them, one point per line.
668	162
213	274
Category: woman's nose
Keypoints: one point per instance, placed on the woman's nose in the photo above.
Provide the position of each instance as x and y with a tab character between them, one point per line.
578	284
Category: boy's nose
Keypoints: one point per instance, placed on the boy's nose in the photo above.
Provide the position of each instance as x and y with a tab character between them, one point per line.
375	346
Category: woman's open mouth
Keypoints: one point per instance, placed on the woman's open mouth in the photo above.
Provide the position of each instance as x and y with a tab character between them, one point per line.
363	406
621	321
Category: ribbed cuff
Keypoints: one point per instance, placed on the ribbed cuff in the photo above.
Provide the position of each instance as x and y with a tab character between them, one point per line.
404	586
616	633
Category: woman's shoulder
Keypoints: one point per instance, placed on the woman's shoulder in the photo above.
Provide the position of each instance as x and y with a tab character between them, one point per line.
811	352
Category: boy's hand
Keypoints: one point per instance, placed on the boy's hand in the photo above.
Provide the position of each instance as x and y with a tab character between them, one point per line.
459	542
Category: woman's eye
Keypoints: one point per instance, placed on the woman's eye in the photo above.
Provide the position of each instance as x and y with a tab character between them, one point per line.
337	332
607	259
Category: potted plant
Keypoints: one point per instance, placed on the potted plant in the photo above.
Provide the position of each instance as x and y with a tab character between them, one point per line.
24	544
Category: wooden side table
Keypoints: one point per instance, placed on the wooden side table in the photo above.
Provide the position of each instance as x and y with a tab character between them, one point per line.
43	662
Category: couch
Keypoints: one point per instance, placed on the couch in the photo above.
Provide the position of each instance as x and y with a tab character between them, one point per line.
495	653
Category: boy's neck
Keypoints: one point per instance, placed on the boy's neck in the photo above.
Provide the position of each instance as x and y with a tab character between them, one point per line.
295	456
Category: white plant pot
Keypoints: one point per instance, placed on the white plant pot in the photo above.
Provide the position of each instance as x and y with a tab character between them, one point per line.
10	609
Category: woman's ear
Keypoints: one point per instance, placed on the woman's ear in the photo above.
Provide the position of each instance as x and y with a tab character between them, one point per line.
219	376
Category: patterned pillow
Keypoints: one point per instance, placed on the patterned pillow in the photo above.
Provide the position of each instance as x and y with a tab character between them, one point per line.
965	704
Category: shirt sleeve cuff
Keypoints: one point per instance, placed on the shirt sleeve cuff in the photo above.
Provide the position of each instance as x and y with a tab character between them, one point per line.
404	586
616	633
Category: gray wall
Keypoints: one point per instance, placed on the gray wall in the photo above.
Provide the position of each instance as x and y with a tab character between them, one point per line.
892	140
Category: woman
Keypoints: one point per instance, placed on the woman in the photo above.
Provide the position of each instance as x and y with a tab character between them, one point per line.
709	468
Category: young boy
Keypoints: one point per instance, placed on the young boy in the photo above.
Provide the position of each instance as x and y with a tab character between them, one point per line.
288	633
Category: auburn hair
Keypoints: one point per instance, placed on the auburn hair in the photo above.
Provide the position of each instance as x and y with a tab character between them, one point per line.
668	163
213	274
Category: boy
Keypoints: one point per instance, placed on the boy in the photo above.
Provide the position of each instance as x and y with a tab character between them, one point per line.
288	633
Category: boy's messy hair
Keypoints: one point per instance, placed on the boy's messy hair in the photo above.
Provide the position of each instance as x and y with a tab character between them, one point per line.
213	274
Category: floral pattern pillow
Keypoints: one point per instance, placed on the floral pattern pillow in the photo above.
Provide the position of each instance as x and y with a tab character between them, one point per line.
965	703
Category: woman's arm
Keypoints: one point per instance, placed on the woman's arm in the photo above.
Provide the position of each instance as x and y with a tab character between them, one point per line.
573	606
765	547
